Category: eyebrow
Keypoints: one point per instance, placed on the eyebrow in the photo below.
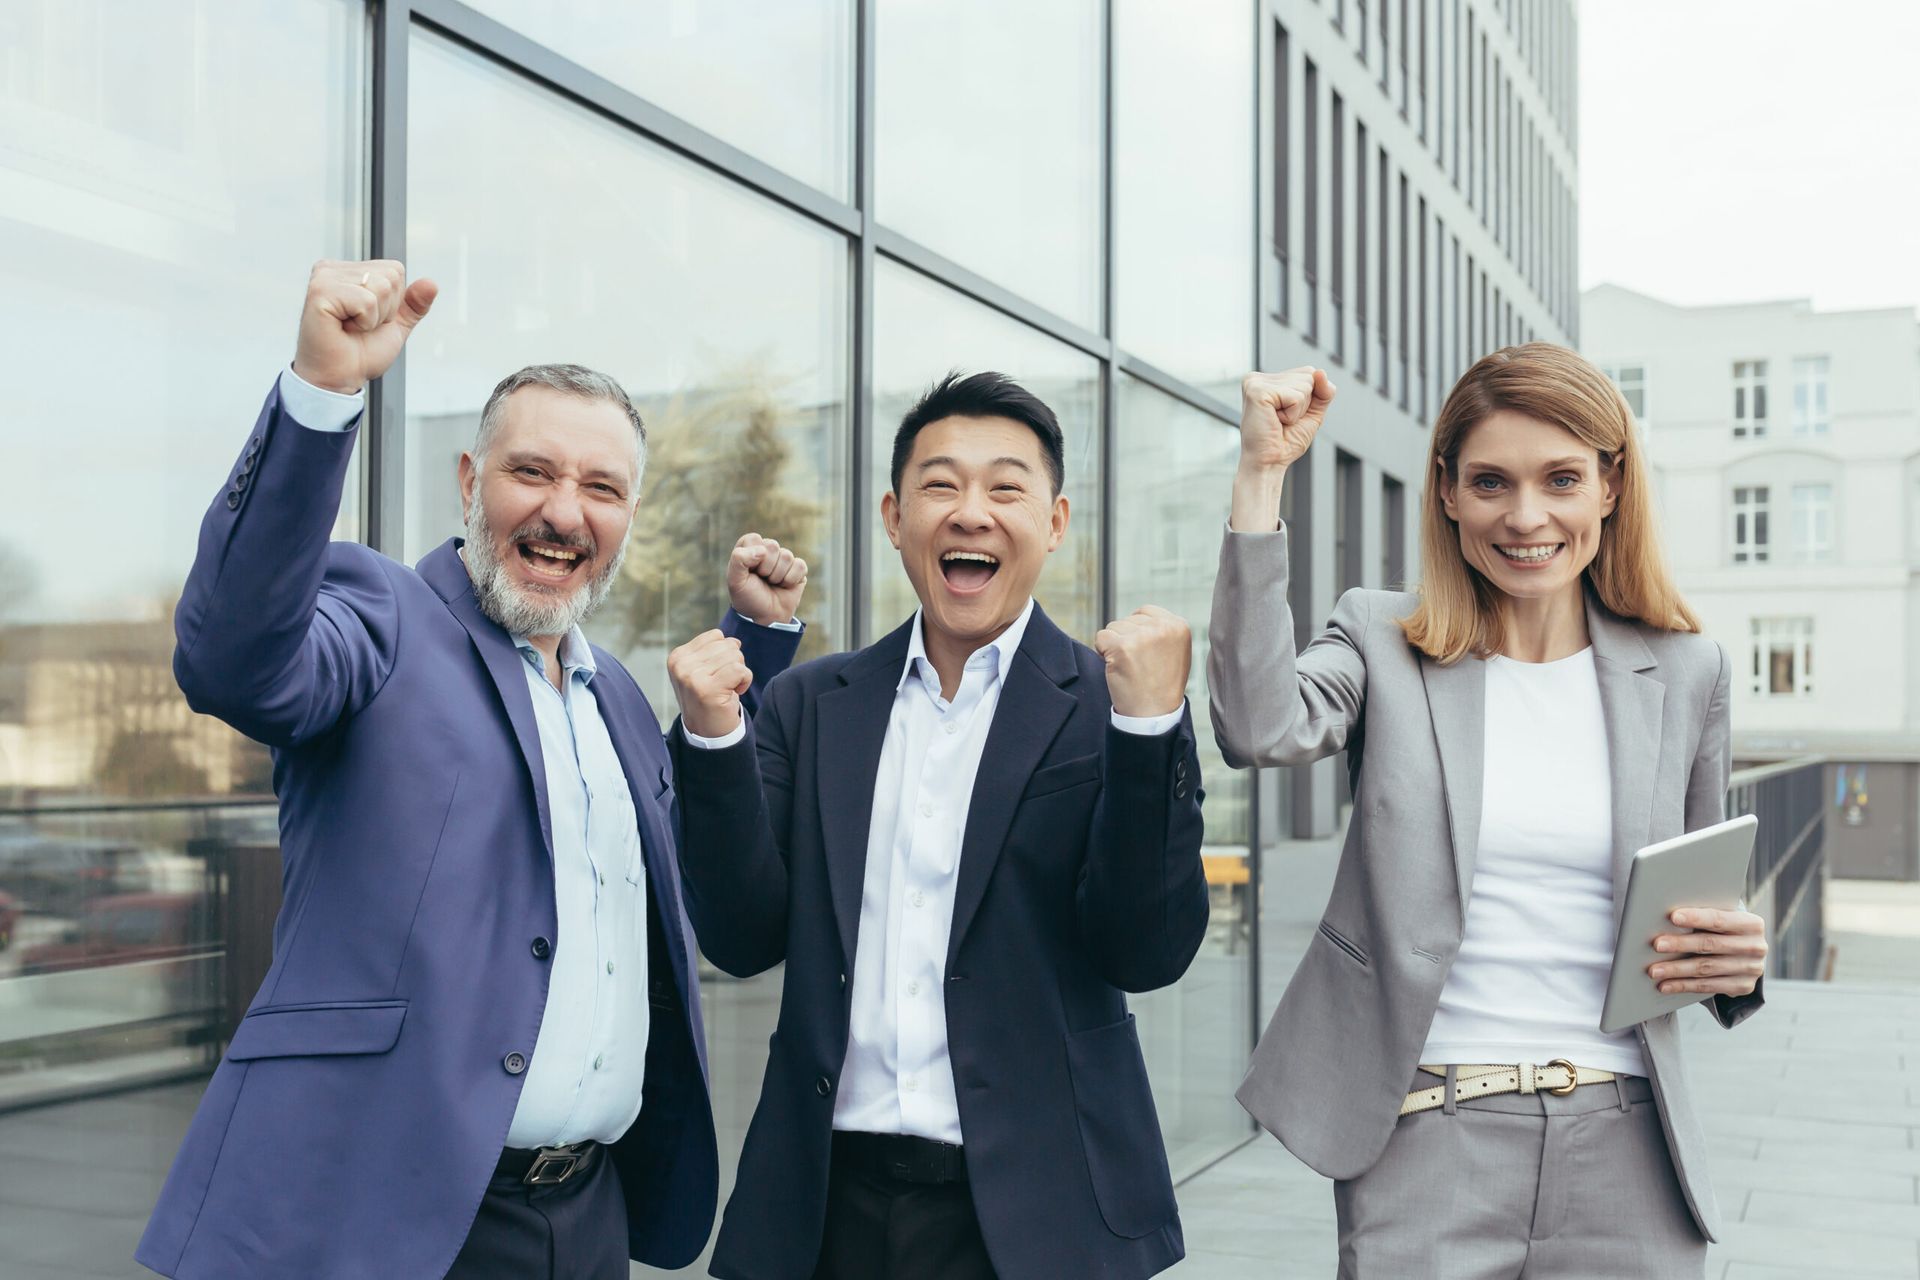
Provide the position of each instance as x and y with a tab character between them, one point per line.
1005	461
1556	465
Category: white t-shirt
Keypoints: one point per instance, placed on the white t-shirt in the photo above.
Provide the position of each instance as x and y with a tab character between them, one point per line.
1531	975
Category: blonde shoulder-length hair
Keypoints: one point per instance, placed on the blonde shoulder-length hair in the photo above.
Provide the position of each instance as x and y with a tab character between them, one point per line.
1459	611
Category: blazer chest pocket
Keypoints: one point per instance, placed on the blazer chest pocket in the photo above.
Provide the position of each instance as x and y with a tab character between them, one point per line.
1062	776
1353	951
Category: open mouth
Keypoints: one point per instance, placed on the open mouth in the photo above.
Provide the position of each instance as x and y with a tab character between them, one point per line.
550	563
968	572
1531	556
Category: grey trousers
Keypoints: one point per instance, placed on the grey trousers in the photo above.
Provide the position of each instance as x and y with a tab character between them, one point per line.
1519	1187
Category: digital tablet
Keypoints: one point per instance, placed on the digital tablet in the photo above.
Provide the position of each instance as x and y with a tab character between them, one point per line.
1704	868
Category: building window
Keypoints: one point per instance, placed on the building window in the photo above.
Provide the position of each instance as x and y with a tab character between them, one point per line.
1360	283
1421	327
1810	396
1749	398
1782	657
1386	286
1632	381
1386	20
1404	242
1750	534
1282	162
1337	278
1813	522
1393	533
1310	252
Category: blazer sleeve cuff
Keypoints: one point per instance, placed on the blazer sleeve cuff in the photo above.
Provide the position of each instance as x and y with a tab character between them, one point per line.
1731	1011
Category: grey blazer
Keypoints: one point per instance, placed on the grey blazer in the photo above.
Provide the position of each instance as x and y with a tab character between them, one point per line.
1329	1074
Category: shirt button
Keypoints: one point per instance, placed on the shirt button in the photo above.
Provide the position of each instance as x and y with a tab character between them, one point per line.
953	726
926	809
919	898
603	877
912	1085
609	966
598	1058
515	1063
913	988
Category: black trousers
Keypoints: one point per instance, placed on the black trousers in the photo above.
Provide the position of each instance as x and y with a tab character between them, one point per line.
880	1227
574	1231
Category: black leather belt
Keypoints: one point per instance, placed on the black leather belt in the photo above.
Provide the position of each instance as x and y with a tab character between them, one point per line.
901	1157
547	1166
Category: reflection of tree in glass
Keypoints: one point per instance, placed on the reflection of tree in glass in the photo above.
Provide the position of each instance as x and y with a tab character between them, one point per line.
716	462
139	762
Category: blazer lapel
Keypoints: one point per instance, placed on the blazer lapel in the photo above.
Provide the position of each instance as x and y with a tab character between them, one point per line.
1028	716
446	573
852	723
1457	700
1633	703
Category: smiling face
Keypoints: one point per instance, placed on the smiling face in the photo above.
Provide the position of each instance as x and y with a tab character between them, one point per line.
1529	498
548	508
974	521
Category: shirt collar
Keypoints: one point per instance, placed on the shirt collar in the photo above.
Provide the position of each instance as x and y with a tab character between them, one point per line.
576	655
1000	650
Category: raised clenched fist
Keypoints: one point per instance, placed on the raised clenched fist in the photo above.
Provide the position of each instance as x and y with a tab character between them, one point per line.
1279	415
1149	653
765	580
708	675
356	318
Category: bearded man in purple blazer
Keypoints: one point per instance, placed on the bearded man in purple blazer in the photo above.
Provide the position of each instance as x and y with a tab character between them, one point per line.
478	1051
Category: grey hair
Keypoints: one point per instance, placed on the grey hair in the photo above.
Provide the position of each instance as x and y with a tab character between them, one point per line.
568	379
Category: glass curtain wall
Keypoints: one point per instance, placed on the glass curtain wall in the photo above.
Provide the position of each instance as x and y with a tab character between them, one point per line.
672	193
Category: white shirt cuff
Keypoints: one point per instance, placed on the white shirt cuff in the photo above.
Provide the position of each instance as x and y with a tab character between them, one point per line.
720	743
1149	726
792	624
316	408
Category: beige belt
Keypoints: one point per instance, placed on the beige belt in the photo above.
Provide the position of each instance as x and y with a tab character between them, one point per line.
1558	1077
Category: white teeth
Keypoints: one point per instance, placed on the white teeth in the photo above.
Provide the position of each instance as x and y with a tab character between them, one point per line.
980	556
1528	553
554	555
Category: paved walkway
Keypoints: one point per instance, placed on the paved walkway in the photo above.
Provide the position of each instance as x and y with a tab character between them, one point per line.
1812	1111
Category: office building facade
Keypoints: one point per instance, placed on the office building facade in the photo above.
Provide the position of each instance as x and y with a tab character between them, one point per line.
773	223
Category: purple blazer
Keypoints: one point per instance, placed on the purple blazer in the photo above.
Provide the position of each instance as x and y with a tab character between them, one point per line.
354	1123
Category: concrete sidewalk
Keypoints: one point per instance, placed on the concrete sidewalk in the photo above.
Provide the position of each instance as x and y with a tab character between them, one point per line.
1812	1111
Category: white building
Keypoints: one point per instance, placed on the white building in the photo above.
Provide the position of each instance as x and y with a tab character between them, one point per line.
1786	449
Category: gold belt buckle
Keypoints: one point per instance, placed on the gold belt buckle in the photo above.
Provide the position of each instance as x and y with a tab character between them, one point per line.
1573	1078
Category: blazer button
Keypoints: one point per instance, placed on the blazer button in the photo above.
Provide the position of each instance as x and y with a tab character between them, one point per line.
515	1063
823	1086
542	948
1179	791
233	499
843	982
240	481
1180	771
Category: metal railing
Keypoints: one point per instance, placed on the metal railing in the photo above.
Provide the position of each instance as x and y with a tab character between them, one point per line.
1786	879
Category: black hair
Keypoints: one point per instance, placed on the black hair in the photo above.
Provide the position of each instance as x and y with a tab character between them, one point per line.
982	395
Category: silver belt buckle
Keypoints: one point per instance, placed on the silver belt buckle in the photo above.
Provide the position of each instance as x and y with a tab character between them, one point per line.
553	1166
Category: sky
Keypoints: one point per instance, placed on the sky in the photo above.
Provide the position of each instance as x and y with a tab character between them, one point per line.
1759	149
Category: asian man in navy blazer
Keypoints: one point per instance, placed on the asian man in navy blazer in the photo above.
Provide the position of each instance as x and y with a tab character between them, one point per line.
478	1051
966	841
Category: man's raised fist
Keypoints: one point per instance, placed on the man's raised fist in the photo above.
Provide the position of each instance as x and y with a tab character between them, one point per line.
356	318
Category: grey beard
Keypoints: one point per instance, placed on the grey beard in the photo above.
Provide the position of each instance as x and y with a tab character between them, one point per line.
508	606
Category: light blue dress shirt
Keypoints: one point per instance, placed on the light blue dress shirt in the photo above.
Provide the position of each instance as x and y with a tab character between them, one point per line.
589	1064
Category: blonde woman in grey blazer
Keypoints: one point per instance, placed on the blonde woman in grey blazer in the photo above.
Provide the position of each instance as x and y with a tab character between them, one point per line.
1541	708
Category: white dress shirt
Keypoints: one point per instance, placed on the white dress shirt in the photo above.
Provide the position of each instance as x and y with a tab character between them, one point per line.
898	1075
1532	971
588	1066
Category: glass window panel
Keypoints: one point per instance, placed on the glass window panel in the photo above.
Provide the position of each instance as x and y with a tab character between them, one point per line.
1172	464
921	331
774	79
988	140
723	316
155	237
1189	313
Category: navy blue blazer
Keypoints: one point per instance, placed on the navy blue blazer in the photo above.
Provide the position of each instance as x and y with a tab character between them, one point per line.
364	1099
1080	879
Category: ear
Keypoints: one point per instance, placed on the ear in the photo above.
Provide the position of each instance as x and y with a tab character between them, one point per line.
1609	488
890	517
469	476
1445	488
1057	523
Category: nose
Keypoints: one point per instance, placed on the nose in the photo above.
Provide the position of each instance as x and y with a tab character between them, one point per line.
1528	515
971	512
562	509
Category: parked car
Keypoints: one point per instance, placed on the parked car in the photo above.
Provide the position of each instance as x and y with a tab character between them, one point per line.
9	919
124	928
